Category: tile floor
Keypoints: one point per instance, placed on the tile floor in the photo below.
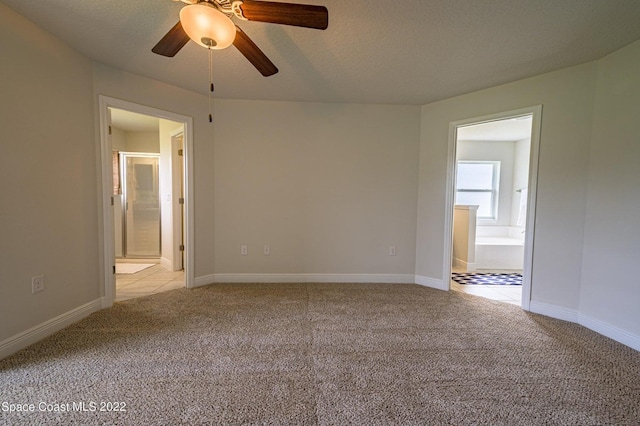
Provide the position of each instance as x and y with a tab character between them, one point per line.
503	293
152	280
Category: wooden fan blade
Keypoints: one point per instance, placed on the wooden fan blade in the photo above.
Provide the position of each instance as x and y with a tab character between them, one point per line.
299	15
248	48
172	42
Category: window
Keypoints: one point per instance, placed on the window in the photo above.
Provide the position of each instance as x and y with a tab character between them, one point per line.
477	184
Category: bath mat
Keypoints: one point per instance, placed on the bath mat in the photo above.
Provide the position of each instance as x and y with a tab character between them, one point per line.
132	268
479	278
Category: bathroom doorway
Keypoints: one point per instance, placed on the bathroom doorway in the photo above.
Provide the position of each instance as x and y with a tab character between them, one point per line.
493	169
148	210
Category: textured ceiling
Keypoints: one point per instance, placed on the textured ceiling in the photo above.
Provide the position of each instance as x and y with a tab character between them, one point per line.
404	52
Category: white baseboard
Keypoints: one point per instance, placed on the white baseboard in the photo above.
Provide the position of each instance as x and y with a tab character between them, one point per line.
558	312
34	334
612	332
431	282
465	266
600	327
305	278
322	278
166	263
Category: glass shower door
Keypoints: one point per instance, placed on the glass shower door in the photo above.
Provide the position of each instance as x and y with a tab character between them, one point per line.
142	205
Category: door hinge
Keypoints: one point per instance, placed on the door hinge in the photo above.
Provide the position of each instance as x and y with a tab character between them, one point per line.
112	202
109	129
180	200
181	247
180	152
114	269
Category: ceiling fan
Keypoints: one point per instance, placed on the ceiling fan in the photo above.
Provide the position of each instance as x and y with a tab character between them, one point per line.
208	23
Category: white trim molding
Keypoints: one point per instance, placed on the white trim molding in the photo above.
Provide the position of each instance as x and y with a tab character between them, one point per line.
432	282
106	175
166	263
305	278
34	334
596	325
557	312
536	113
610	331
465	266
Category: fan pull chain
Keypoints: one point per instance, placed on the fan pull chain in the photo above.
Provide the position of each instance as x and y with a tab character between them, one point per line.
210	82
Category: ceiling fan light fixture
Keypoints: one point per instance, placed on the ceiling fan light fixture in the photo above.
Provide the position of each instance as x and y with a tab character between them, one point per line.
207	26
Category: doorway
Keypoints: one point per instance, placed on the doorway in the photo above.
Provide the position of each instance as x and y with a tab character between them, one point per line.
147	208
492	179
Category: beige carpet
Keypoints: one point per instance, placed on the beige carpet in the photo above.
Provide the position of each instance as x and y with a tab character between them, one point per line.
328	354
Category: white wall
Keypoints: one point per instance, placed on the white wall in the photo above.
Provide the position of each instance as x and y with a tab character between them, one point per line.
118	139
328	186
48	177
135	141
610	291
143	141
567	99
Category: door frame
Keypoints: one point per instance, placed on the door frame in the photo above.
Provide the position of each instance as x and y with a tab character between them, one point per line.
527	274
108	255
177	184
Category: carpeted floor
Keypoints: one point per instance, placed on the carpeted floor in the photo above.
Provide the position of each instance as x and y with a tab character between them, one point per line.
328	354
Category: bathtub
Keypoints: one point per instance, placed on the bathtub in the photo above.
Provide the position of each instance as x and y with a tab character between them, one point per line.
499	247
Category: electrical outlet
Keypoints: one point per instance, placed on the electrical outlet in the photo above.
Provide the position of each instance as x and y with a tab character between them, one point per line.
267	250
37	284
244	250
392	250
